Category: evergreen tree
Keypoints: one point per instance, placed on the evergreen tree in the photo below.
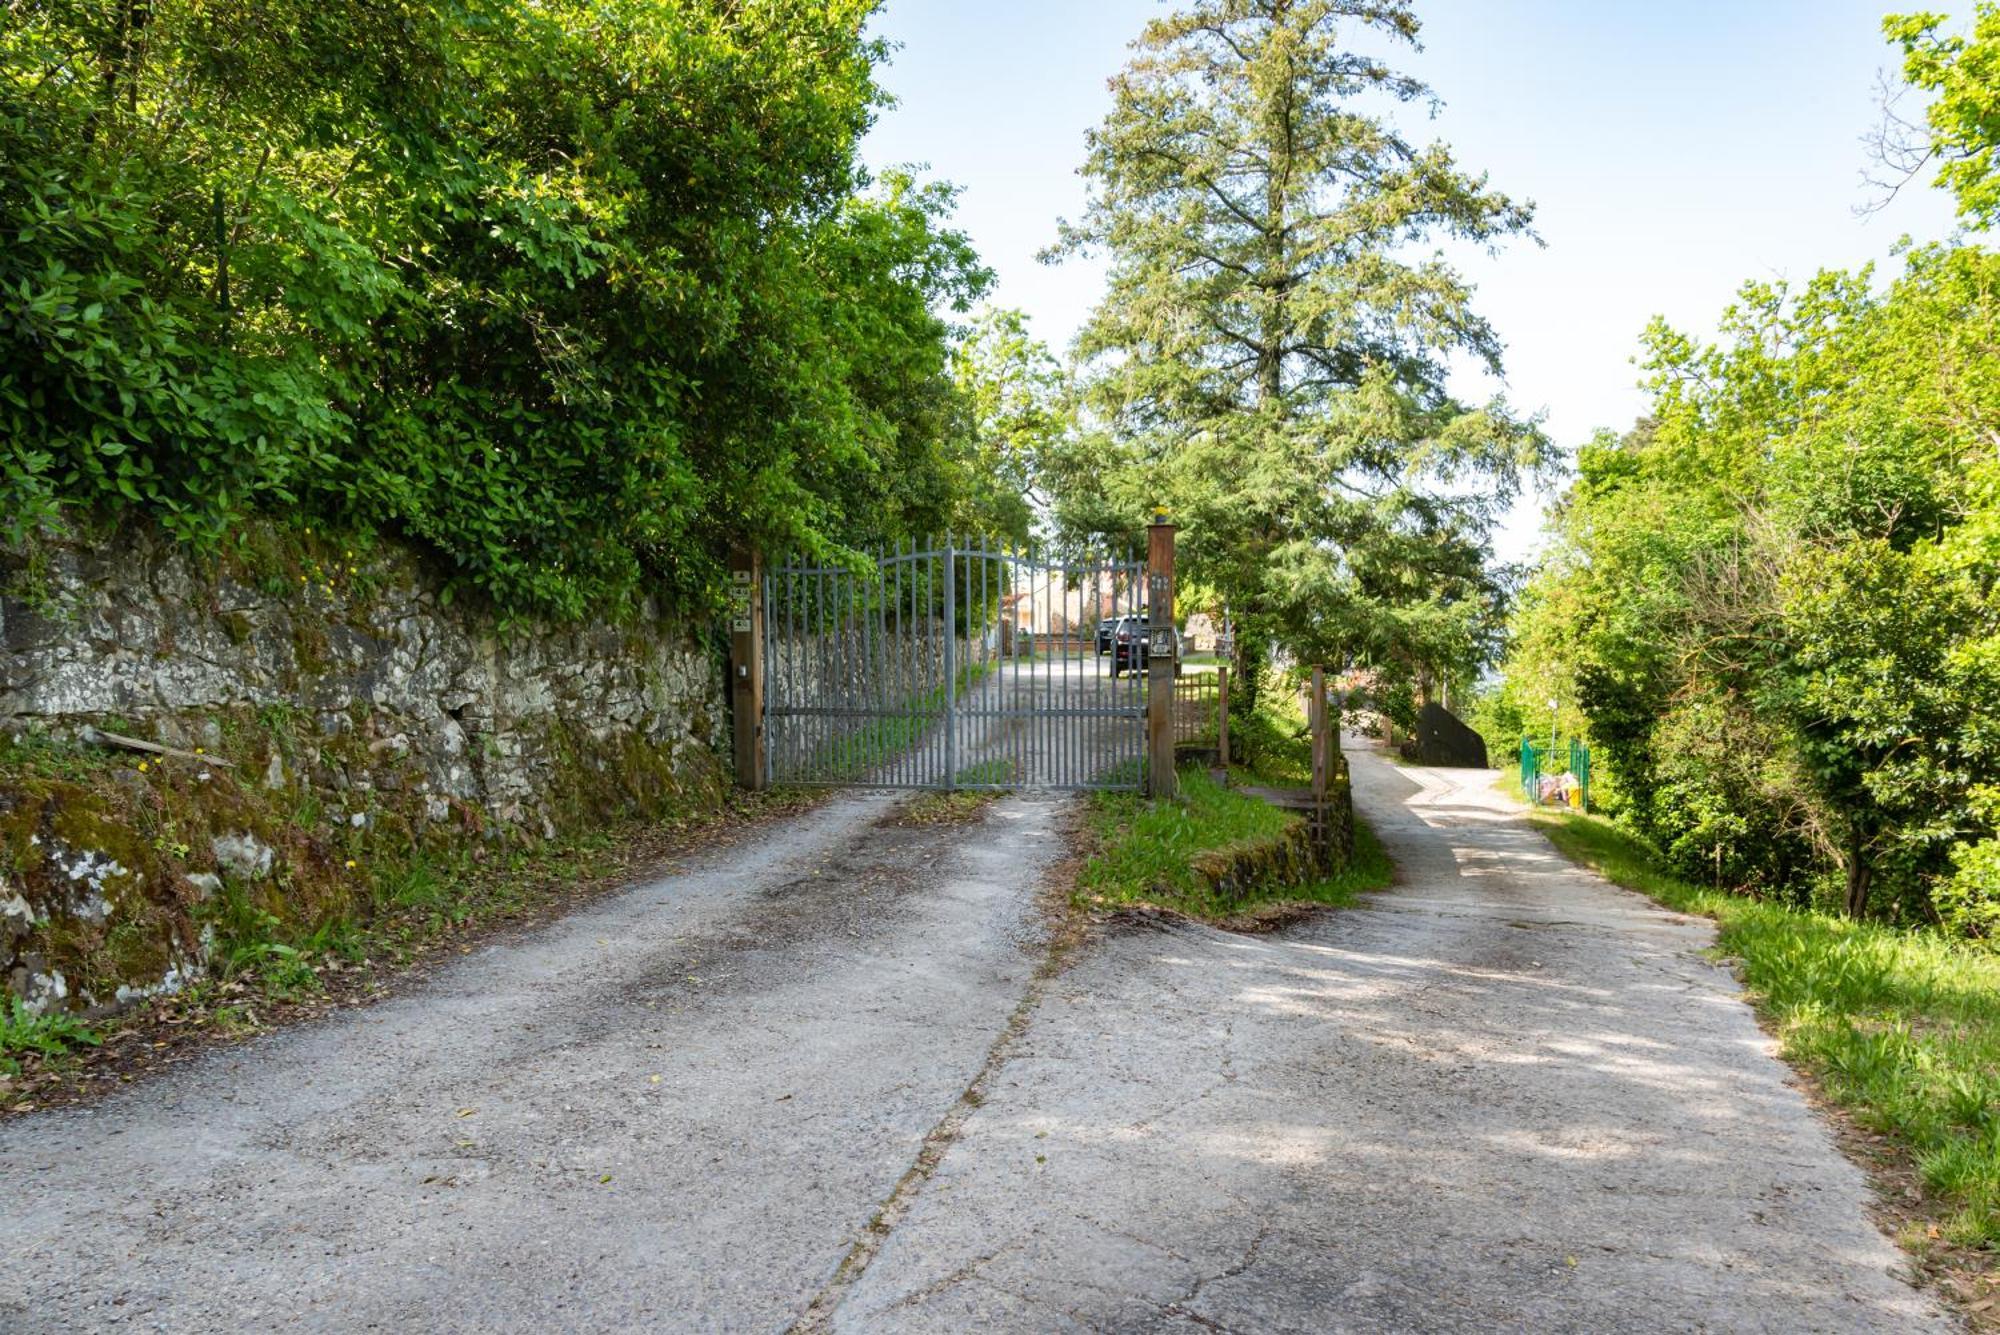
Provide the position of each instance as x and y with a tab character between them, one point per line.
1270	359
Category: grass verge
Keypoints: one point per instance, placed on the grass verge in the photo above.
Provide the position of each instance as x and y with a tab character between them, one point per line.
1899	1029
1139	852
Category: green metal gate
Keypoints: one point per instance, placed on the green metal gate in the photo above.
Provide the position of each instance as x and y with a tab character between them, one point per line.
1536	766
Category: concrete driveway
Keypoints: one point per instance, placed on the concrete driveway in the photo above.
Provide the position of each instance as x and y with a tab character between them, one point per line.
821	1080
1502	1096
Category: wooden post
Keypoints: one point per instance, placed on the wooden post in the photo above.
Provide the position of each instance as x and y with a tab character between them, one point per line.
1161	780
1222	713
1322	756
746	666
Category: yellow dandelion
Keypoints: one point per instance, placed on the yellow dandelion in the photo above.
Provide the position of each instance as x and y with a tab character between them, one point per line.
351	864
199	751
142	767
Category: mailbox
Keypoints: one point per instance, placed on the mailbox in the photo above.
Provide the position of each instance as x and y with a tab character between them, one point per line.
742	602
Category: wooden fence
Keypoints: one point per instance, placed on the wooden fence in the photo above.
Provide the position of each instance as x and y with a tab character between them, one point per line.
1201	709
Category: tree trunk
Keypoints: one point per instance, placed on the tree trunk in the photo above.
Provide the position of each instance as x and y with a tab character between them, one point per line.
1277	115
1859	873
1246	673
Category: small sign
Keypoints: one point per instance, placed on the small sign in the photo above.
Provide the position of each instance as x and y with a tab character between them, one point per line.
1162	645
740	603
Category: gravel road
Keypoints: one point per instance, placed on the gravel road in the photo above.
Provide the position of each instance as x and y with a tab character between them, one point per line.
1503	1095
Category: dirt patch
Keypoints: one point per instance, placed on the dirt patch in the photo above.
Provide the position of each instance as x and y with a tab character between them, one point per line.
1258	921
960	807
1070	928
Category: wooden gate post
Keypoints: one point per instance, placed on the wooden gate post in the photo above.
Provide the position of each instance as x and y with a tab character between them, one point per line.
1162	656
746	666
1222	713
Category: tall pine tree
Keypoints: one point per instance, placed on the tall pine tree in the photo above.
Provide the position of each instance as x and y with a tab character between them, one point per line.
1270	359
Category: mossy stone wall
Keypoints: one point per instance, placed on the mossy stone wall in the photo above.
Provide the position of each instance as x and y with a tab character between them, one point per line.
334	709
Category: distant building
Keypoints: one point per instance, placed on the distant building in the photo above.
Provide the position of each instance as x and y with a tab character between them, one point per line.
1044	605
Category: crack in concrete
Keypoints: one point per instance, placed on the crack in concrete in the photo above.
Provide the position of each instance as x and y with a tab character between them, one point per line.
970	1270
1112	1231
818	1316
1195	1318
1179	1306
1042	1303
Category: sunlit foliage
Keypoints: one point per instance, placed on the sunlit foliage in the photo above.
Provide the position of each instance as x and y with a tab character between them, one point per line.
576	293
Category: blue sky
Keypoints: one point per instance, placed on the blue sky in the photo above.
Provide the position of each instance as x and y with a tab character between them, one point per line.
1674	151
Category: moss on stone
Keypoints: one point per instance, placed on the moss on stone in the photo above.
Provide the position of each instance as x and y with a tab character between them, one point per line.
162	825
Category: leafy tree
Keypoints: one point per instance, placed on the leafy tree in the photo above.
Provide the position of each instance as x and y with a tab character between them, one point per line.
1963	117
1776	603
1017	398
575	292
1270	358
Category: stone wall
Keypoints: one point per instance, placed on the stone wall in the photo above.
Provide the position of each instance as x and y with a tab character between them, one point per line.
333	713
1295	856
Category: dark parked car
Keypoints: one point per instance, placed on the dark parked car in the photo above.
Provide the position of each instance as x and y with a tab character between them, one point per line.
1107	629
1128	643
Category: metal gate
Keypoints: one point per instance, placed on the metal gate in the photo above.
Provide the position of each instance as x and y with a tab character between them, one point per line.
955	666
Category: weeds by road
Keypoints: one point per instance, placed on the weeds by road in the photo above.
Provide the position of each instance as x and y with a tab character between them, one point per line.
32	1035
963	804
